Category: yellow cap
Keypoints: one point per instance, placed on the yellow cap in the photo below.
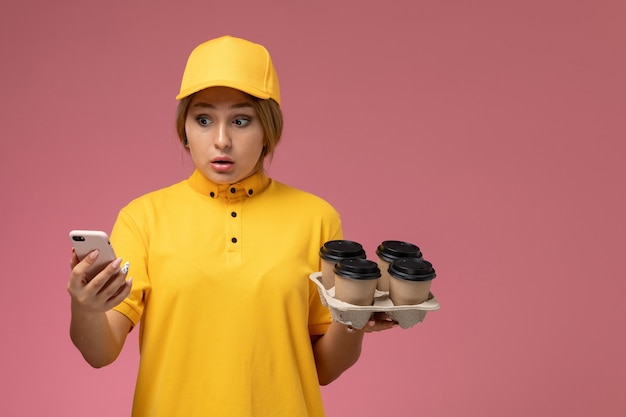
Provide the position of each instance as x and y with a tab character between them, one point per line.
231	62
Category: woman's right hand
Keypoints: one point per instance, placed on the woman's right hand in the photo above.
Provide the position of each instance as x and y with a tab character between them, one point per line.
100	294
96	330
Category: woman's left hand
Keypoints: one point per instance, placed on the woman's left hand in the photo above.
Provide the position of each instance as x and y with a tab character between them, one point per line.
378	322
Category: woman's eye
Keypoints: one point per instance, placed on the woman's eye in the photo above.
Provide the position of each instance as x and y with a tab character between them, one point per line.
241	121
203	121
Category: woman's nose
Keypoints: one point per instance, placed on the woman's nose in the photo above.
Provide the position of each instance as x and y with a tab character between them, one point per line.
222	138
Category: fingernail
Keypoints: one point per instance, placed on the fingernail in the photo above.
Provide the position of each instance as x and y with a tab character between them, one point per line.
93	254
125	268
371	323
116	263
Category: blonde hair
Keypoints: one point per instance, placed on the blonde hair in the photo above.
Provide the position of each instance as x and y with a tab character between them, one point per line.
269	114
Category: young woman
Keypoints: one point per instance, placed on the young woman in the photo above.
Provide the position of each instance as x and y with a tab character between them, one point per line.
230	324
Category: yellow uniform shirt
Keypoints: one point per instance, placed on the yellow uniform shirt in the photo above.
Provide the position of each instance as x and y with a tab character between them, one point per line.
221	289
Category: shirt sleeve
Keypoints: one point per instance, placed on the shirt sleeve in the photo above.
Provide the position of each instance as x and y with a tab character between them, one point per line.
130	241
319	315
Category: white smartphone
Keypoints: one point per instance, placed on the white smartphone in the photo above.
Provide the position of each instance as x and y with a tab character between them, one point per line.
85	241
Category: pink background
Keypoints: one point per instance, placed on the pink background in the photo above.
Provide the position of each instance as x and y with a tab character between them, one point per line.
490	133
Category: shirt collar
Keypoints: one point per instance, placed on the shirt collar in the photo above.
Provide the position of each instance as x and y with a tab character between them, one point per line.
248	187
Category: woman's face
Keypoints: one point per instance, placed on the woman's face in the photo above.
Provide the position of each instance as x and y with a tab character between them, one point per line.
224	134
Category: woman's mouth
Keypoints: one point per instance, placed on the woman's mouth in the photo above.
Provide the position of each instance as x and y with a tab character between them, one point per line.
222	164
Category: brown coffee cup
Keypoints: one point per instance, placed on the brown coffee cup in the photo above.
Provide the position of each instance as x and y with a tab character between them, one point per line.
334	251
355	281
410	280
390	250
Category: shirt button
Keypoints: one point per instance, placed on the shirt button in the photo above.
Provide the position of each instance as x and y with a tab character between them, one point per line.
212	194
233	214
250	192
234	240
233	190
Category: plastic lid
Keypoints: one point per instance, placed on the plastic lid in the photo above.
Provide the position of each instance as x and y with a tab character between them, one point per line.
357	268
412	269
389	250
336	250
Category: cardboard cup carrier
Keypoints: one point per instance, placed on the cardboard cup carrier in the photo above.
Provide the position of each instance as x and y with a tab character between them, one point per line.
352	295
